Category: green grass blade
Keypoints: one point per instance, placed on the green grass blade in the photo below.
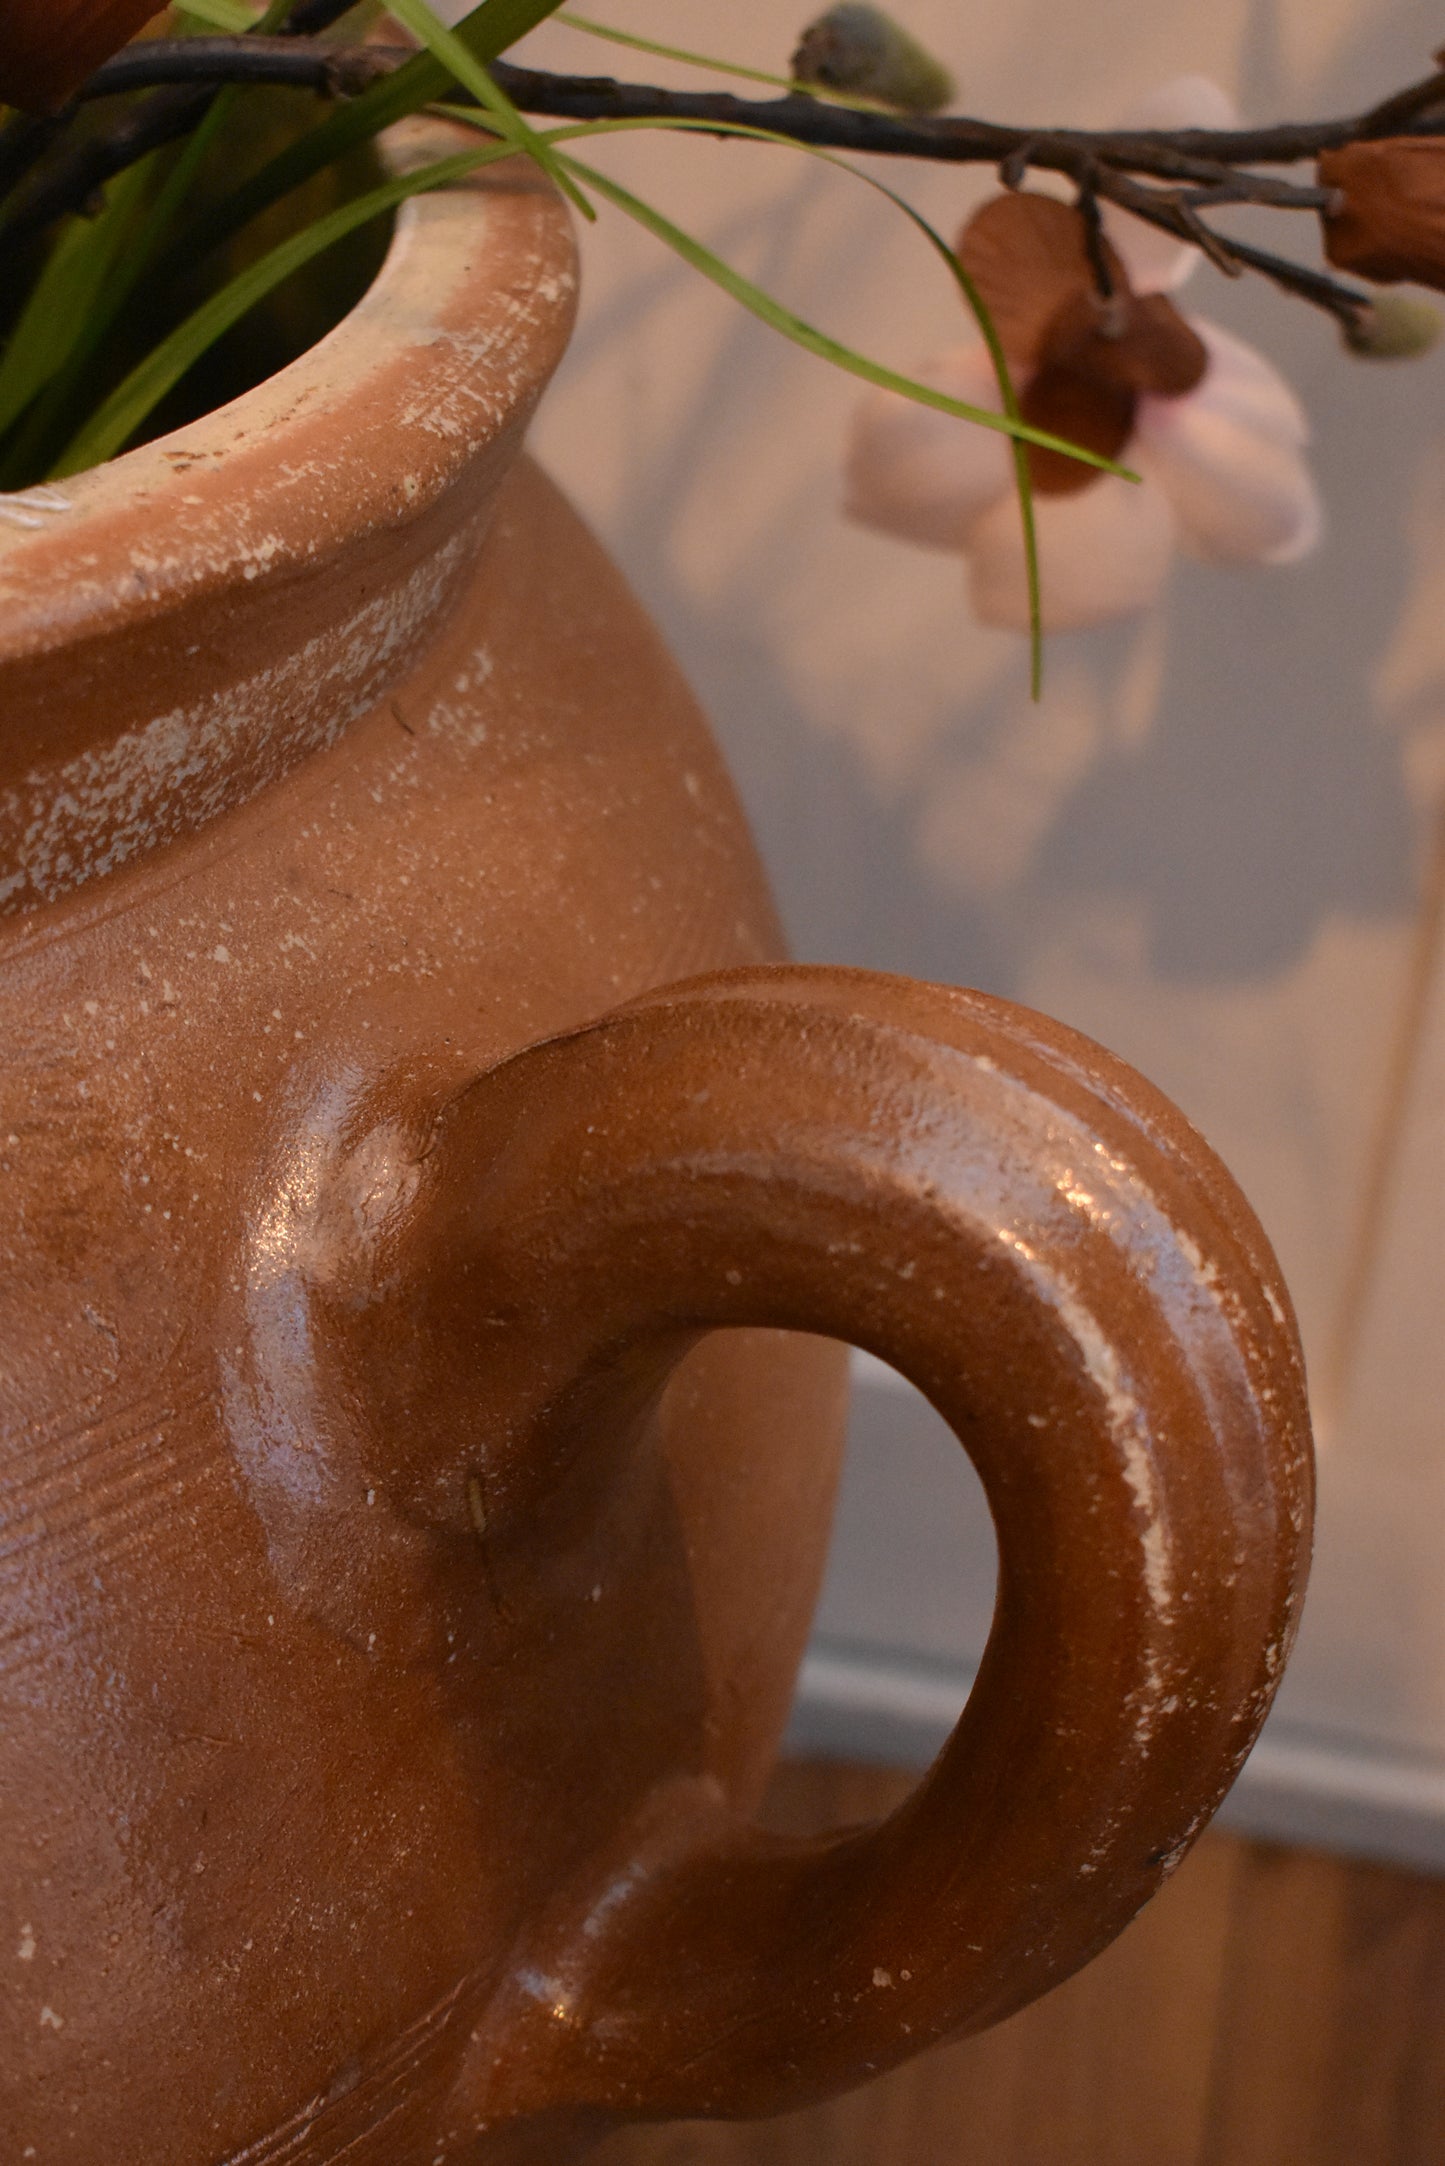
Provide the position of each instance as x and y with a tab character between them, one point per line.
52	412
33	347
782	319
67	292
126	408
225	15
688	59
1023	479
87	326
183	173
485	33
722	274
445	46
1011	423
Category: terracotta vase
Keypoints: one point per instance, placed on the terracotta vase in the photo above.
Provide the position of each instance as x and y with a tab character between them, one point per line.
400	1592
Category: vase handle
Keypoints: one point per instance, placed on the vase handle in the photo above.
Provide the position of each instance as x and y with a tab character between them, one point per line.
1038	1240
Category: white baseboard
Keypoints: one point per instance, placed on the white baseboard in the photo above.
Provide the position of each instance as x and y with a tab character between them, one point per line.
1298	1786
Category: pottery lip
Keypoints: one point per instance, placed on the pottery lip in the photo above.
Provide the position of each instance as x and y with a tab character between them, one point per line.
212	608
441	361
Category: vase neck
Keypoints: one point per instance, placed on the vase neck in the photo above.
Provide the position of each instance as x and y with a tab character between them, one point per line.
183	626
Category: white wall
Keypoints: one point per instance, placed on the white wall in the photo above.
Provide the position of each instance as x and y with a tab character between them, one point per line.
1207	846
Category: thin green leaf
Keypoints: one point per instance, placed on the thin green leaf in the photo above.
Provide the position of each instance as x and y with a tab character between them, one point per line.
72	266
774	313
86	327
67	291
126	408
486	32
36	443
1023	479
228	15
1021	433
445	46
688	59
183	173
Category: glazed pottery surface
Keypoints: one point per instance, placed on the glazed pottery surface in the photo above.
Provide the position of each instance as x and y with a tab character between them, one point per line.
399	1594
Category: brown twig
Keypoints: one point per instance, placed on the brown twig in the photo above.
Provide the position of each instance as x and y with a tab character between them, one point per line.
1197	167
69	181
1395	115
24	143
1094	241
1159	207
1207	156
296	62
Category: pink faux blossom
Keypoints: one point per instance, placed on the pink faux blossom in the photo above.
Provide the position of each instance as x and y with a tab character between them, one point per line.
1222	465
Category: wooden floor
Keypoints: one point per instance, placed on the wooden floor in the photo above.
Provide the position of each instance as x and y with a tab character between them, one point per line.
1271	2008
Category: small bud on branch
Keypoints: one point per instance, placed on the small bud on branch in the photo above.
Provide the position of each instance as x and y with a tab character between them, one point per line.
862	50
1397	327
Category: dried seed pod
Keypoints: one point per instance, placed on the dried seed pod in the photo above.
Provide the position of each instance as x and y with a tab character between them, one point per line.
861	50
1397	327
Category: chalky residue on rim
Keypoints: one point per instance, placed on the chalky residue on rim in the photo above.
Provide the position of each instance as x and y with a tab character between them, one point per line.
215	606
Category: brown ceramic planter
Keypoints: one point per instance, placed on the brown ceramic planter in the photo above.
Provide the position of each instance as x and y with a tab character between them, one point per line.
398	1605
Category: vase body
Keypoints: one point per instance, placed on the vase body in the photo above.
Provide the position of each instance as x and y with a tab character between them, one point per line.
427	1215
404	781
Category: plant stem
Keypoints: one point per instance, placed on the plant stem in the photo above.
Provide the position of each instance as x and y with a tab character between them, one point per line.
301	63
1206	166
1202	154
1160	207
71	179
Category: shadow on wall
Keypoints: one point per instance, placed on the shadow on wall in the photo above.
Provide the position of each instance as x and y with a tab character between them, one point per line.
1257	798
1269	798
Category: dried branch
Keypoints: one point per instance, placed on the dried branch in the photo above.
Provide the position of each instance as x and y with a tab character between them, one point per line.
1164	176
1207	156
1407	111
296	62
24	143
70	180
1094	241
1162	208
1198	154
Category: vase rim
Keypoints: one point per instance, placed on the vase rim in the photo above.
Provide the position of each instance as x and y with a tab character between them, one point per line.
337	502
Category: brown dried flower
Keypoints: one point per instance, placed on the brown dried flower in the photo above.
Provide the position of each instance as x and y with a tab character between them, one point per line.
49	47
1088	357
1390	223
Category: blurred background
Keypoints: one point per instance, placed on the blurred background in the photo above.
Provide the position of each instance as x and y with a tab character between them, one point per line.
1215	845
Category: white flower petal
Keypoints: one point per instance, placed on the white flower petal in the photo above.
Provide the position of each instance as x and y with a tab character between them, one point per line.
1243	384
923	475
1185	101
1228	458
1103	553
1157	263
